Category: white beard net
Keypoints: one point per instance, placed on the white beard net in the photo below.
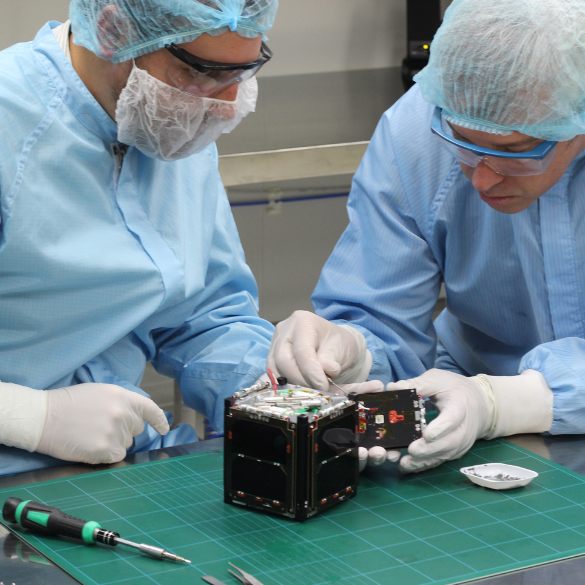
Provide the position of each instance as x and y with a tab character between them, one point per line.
502	65
165	123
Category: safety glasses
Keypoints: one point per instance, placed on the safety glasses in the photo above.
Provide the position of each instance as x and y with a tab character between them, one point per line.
512	164
205	78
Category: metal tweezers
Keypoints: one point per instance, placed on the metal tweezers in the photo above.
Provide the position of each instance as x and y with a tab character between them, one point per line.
244	577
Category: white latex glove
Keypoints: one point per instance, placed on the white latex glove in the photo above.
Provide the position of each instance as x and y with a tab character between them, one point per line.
358	388
307	348
89	423
376	456
339	389
480	407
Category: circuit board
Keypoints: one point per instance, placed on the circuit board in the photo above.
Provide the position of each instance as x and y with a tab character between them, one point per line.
431	528
390	419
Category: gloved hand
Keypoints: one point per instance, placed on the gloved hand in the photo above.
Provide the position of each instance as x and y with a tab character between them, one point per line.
307	348
376	456
358	388
89	423
479	407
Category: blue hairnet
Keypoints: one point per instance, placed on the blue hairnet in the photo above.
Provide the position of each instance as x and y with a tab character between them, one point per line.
504	65
119	30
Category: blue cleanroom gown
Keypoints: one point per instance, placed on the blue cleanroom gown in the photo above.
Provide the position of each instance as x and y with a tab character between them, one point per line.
515	284
107	263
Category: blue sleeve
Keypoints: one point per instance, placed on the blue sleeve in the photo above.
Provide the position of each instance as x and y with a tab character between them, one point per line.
562	363
223	346
382	277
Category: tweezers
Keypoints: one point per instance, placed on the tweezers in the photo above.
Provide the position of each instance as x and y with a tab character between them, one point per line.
244	577
212	580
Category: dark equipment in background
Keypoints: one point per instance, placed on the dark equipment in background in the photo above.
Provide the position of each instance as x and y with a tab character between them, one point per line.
423	18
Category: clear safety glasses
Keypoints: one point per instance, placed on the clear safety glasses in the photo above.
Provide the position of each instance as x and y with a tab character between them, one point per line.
205	78
512	164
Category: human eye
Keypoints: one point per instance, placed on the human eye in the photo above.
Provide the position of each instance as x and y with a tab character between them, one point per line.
461	138
524	148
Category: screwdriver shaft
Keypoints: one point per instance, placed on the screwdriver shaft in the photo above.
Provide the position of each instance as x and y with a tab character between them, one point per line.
153	551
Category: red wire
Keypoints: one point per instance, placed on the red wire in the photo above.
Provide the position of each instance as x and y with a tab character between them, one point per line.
272	379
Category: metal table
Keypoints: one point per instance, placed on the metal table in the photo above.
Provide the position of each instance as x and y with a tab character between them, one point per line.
20	564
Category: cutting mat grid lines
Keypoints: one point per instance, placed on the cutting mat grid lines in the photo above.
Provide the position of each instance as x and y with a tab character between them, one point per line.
431	528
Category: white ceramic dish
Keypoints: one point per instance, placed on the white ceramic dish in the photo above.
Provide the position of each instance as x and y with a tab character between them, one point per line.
499	476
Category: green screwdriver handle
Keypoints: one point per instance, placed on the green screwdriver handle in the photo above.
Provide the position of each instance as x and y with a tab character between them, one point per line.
48	520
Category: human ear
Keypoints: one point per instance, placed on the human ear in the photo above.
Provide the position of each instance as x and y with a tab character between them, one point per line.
112	31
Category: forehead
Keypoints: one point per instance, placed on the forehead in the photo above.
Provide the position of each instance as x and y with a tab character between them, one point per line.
487	139
228	47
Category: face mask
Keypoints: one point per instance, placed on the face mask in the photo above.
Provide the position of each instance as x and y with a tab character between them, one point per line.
165	123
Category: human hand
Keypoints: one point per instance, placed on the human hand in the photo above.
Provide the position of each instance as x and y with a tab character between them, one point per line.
478	407
307	349
96	423
357	387
466	413
376	456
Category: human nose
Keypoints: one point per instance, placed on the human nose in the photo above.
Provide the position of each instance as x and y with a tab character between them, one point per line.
225	111
229	94
484	177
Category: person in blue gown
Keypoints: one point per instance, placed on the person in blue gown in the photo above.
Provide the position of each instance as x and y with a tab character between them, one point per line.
117	243
474	179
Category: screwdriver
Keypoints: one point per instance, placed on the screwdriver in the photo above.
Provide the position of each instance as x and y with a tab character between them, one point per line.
48	520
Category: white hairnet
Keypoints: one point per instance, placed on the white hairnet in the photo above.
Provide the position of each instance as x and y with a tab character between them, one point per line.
504	65
120	30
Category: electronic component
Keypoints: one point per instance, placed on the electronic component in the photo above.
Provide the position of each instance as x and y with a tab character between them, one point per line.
292	451
390	419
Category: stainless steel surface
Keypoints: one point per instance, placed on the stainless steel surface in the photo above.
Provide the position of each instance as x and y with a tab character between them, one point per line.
308	126
328	160
294	111
534	443
21	564
153	551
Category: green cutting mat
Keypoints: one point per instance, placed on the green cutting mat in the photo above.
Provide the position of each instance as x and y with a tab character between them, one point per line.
434	527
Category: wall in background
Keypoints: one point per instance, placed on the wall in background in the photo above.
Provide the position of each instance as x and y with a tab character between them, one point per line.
313	36
309	36
21	19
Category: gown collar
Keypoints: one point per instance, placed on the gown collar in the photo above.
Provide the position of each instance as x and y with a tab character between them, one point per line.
69	85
